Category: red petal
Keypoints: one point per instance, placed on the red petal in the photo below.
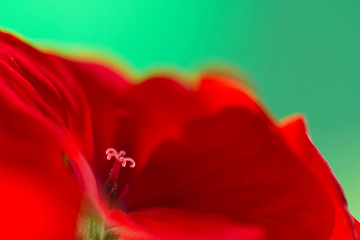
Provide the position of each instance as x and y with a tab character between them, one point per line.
235	163
45	87
158	108
39	198
38	111
298	140
34	206
169	224
45	84
357	227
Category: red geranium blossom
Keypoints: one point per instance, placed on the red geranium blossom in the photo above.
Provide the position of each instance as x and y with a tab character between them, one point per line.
210	162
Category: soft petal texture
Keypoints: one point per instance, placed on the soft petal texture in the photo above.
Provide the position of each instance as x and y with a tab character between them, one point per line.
39	197
357	226
173	224
38	112
32	208
248	176
43	85
295	132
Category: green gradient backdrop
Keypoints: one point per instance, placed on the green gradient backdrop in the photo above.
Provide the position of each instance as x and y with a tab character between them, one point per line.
302	55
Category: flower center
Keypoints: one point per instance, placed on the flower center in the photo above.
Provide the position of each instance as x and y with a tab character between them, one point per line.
120	161
91	224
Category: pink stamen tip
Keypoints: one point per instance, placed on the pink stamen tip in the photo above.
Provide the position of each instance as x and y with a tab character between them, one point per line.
110	155
122	153
111	150
119	156
129	160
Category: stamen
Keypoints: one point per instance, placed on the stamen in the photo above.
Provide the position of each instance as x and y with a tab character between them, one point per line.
120	160
110	192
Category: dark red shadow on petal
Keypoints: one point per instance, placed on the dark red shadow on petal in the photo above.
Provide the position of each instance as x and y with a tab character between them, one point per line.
170	224
238	165
159	107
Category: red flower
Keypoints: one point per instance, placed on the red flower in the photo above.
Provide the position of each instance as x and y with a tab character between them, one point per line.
210	162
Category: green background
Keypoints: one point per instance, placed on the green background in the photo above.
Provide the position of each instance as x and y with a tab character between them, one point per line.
303	56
